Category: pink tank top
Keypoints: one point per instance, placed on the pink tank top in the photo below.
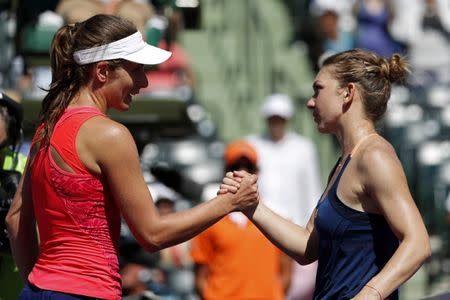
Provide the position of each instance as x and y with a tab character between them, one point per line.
78	221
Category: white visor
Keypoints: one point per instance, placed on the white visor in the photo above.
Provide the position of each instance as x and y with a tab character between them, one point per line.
132	48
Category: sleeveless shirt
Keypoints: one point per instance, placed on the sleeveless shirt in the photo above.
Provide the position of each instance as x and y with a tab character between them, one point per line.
353	246
79	224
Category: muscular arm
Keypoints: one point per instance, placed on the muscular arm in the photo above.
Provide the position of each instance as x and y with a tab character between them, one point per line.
386	184
298	242
114	152
21	226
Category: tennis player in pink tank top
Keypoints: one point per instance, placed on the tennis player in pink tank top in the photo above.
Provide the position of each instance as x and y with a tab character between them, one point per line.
83	172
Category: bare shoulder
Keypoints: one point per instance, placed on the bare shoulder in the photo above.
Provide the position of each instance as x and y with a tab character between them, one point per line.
378	164
102	130
376	153
103	137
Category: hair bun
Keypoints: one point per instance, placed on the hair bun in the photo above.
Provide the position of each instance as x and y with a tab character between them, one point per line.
394	68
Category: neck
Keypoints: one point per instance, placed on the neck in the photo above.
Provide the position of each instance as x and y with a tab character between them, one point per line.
88	97
349	138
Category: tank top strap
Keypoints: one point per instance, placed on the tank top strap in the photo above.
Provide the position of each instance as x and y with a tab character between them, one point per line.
348	158
77	110
360	142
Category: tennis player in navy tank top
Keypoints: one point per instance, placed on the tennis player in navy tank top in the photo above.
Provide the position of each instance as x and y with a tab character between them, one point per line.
349	247
366	231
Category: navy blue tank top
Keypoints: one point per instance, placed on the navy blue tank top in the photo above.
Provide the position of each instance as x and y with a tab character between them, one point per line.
353	246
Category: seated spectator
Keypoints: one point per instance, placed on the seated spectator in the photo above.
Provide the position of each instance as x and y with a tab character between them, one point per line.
174	77
373	18
136	279
175	262
334	28
173	73
137	11
335	39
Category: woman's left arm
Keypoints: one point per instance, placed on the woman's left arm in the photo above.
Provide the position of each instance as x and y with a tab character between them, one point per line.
385	182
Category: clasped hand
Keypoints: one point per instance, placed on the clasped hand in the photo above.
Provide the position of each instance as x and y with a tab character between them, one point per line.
244	187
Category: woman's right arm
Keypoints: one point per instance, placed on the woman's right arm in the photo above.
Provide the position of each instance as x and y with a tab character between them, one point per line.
298	242
113	149
21	226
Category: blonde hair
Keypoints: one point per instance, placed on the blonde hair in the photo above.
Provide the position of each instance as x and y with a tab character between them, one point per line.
372	74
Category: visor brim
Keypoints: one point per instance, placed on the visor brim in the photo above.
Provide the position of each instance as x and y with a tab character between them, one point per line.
149	55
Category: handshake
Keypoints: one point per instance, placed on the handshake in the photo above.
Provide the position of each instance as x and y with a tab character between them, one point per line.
242	189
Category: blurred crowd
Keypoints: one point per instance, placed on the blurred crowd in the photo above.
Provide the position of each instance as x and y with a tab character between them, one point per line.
419	29
28	28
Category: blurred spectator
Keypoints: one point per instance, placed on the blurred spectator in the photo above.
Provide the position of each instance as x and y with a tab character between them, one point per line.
335	38
7	33
331	29
12	166
171	75
141	277
233	259
136	279
175	262
137	11
424	26
174	76
289	178
373	18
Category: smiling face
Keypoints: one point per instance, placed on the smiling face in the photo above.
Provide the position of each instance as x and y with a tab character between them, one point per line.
124	82
326	104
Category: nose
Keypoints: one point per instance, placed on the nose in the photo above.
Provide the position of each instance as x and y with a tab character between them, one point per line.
310	104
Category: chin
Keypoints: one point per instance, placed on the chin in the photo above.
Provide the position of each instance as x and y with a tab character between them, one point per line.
323	129
122	107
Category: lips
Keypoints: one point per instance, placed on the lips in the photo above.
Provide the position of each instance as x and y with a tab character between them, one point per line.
316	117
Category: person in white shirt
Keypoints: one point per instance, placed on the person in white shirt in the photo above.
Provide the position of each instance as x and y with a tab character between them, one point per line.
289	178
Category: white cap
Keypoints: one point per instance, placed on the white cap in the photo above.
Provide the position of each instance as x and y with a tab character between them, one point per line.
131	48
278	105
161	191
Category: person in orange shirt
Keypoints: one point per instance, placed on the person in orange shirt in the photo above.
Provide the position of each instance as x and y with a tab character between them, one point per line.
233	259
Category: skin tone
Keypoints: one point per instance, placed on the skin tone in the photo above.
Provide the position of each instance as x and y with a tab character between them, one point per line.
113	88
373	182
277	127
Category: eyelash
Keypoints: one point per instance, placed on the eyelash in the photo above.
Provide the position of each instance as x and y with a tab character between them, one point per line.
316	92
